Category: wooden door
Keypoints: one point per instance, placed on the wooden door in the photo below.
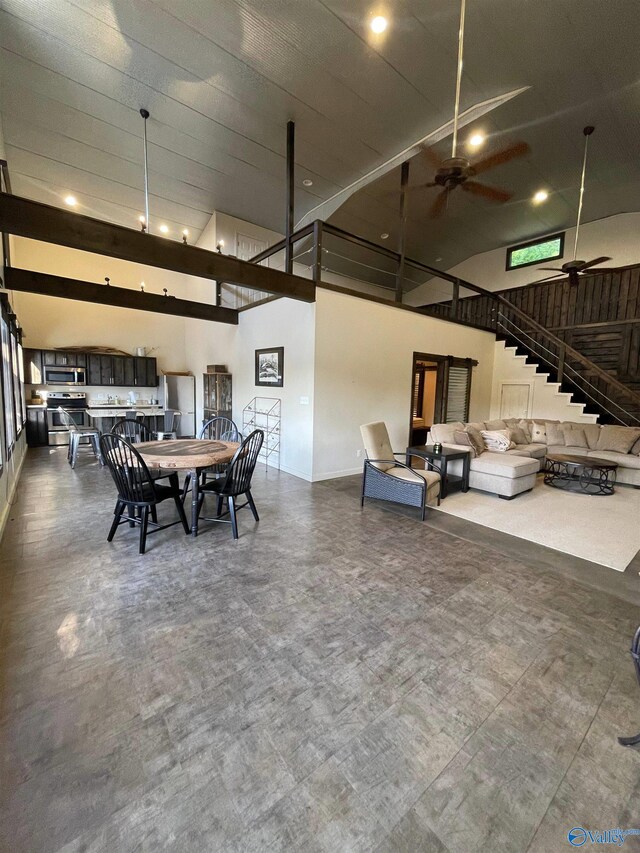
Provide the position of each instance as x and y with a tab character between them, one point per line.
515	400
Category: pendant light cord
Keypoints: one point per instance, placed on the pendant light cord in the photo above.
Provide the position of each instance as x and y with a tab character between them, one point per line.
458	78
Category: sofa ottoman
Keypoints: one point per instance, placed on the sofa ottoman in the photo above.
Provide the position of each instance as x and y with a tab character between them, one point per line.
503	474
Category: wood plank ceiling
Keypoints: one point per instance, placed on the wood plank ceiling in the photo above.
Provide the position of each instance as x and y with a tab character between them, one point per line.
222	79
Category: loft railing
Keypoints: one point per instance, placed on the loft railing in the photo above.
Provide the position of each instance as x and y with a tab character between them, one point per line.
321	250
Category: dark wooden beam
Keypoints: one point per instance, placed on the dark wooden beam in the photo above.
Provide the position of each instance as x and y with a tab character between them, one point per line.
26	218
120	297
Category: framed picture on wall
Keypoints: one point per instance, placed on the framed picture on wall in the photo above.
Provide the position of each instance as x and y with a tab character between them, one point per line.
270	367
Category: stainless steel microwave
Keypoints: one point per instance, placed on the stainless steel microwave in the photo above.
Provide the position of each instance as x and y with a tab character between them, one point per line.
65	375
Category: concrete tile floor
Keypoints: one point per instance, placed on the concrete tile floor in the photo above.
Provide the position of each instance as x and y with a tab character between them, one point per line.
336	680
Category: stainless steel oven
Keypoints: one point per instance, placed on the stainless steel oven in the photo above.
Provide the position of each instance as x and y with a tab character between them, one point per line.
65	375
75	403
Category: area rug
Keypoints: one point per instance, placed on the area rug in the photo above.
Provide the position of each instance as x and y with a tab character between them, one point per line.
604	530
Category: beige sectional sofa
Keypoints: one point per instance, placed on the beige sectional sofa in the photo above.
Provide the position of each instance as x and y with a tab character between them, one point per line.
512	472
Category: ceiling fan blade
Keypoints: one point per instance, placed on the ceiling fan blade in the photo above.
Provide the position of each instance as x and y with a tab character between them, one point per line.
422	186
412	189
439	205
600	270
594	262
549	278
551	269
491	193
517	150
432	157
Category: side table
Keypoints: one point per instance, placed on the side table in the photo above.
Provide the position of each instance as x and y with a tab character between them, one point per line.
449	482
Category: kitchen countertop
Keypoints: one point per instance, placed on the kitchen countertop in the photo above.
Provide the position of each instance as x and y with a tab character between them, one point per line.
118	411
36	405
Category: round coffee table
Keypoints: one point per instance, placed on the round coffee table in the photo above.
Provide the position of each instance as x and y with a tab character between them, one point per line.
587	474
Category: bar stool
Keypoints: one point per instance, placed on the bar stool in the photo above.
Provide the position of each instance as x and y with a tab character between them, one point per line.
168	430
76	435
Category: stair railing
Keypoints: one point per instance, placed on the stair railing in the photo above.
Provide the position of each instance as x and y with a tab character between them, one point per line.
569	350
557	361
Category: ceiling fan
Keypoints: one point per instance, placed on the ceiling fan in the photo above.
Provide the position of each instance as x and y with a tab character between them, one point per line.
575	267
458	171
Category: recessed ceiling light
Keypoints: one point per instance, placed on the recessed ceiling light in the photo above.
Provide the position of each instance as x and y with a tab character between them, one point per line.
307	182
476	140
164	229
71	200
384	236
379	24
540	196
438	259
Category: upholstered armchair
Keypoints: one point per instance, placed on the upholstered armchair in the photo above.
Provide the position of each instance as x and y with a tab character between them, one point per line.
386	479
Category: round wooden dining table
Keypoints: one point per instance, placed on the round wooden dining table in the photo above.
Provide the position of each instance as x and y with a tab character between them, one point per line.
187	454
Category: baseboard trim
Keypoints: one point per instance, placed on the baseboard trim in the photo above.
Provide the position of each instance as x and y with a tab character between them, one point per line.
333	475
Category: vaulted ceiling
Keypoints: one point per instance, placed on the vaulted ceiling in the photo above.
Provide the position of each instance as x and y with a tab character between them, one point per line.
221	79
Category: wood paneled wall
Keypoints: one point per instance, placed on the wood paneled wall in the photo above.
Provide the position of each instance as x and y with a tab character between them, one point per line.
599	317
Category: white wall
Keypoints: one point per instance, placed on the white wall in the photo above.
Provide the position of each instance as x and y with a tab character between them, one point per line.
545	398
617	236
363	372
290	324
51	322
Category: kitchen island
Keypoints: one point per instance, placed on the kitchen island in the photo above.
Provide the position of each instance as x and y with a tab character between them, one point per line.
104	417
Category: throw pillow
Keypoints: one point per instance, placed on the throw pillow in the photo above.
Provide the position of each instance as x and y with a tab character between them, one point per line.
620	439
497	440
636	448
538	433
495	425
444	432
518	435
554	434
511	422
592	431
462	437
477	441
575	437
525	426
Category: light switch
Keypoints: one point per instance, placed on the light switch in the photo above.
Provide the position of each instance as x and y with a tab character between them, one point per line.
304	401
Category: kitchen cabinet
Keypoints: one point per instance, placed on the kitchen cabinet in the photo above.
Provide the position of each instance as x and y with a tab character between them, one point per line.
32	361
123	371
37	429
129	372
94	372
59	358
146	372
216	395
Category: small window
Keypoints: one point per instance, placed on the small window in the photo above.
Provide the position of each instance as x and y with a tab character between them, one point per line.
526	254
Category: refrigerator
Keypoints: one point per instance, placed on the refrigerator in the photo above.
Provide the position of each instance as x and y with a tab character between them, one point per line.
180	395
